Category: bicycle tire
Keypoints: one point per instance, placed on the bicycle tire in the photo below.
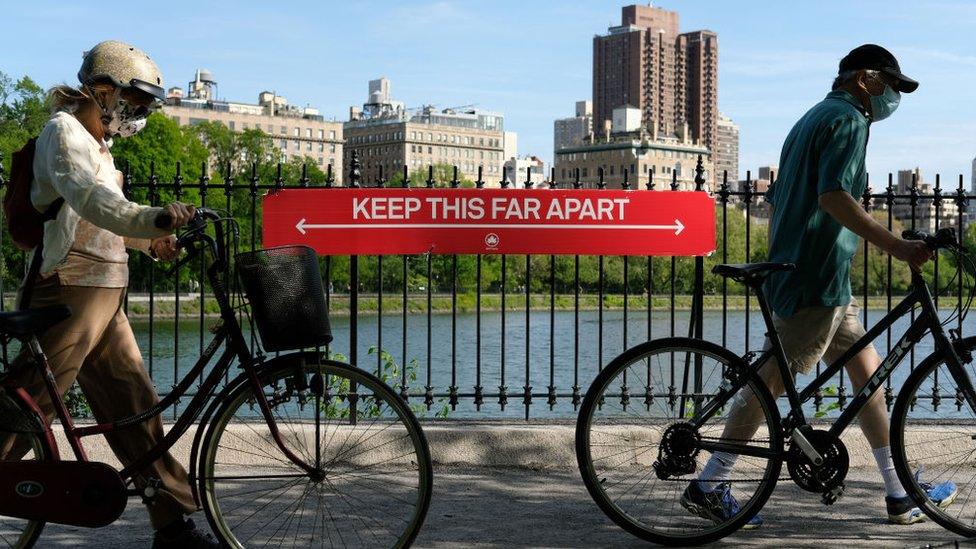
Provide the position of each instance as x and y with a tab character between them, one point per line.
366	383
906	401
40	445
594	484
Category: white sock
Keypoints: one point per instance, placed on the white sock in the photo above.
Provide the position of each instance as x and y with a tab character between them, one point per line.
717	470
886	466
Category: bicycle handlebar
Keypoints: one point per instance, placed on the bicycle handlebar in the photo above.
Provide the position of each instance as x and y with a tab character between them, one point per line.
942	239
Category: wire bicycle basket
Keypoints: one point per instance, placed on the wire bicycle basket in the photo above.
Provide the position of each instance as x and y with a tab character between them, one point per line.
284	288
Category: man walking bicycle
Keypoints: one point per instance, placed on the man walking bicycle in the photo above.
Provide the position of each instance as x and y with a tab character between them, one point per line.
815	224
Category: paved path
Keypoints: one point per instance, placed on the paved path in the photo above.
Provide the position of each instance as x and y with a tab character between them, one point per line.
507	507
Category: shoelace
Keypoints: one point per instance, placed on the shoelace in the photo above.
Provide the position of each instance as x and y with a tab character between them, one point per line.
925	486
728	501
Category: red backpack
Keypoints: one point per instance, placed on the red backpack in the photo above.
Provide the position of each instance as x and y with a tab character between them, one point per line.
25	223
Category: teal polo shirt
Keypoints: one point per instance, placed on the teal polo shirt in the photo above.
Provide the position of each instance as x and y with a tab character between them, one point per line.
824	152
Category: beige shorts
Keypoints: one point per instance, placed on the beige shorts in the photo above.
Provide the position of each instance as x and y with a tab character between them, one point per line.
815	332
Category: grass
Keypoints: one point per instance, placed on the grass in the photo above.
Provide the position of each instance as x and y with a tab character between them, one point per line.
467	303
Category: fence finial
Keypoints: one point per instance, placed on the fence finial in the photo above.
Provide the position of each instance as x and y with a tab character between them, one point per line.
354	170
552	177
480	183
455	182
700	174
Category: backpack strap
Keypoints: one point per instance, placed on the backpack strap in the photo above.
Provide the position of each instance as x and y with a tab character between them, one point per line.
36	260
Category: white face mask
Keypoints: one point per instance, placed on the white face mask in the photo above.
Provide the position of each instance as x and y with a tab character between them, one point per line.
124	119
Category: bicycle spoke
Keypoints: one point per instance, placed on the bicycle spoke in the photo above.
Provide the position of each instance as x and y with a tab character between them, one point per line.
626	440
368	487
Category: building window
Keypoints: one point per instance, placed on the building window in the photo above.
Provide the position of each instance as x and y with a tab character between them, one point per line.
308	133
308	146
321	136
284	130
231	125
298	146
332	147
332	134
298	132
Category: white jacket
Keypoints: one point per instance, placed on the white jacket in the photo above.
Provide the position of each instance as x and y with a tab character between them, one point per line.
68	163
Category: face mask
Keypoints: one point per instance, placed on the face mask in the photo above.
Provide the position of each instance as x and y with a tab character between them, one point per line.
124	119
883	105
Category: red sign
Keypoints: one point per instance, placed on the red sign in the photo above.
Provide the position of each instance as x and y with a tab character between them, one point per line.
386	221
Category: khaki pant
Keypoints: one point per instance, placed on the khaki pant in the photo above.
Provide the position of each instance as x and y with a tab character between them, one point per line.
818	332
96	346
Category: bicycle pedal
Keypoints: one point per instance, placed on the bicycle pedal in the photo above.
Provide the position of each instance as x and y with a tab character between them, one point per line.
831	496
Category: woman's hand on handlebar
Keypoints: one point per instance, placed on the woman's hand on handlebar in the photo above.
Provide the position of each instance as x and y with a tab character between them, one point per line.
164	248
179	214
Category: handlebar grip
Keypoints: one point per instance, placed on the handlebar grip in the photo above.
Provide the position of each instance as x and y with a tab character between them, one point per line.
911	234
163	221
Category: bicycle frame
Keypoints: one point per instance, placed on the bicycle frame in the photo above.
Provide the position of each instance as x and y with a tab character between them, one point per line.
927	321
229	331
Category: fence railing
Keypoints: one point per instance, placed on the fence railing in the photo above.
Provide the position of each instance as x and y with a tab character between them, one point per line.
514	336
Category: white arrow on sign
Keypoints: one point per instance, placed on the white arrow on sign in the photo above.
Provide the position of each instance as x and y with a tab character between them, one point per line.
303	226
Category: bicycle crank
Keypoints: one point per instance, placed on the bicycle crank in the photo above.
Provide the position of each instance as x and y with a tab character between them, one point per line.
827	478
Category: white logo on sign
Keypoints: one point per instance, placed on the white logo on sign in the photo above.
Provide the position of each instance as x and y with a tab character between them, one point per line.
492	240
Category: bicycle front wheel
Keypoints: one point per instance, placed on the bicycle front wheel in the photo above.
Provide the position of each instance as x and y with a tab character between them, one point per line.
372	482
933	441
635	417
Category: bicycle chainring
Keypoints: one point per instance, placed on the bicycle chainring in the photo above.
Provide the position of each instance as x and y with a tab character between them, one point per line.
830	474
677	452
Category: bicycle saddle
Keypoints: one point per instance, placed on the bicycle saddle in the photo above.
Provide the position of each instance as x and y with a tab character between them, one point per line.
32	321
751	273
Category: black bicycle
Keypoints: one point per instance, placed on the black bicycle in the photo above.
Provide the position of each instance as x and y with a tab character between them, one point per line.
656	413
296	450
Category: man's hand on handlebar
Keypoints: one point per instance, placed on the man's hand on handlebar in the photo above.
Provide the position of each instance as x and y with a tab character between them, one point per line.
913	252
179	214
164	248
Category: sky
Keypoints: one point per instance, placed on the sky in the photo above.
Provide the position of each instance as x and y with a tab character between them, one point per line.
531	60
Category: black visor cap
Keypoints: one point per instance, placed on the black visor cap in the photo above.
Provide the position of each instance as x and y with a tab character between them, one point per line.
874	57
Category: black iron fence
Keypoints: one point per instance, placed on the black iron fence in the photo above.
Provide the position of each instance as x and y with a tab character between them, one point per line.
521	336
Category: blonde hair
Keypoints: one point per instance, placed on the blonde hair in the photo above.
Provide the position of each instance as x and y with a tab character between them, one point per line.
69	98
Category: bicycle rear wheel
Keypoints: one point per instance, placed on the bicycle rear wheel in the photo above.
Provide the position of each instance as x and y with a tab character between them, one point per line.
635	416
933	434
17	445
373	479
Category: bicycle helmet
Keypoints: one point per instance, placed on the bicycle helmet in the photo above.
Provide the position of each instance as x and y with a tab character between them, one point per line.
122	65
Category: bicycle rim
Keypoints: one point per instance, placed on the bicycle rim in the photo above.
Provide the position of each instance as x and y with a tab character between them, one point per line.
624	417
933	435
375	474
18	533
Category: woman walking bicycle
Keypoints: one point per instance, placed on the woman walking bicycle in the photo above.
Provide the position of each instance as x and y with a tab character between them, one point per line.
83	265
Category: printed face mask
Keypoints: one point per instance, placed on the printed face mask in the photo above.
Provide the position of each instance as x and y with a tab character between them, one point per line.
124	119
883	105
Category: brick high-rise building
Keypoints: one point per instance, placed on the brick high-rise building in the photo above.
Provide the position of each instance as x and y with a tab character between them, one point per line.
672	78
